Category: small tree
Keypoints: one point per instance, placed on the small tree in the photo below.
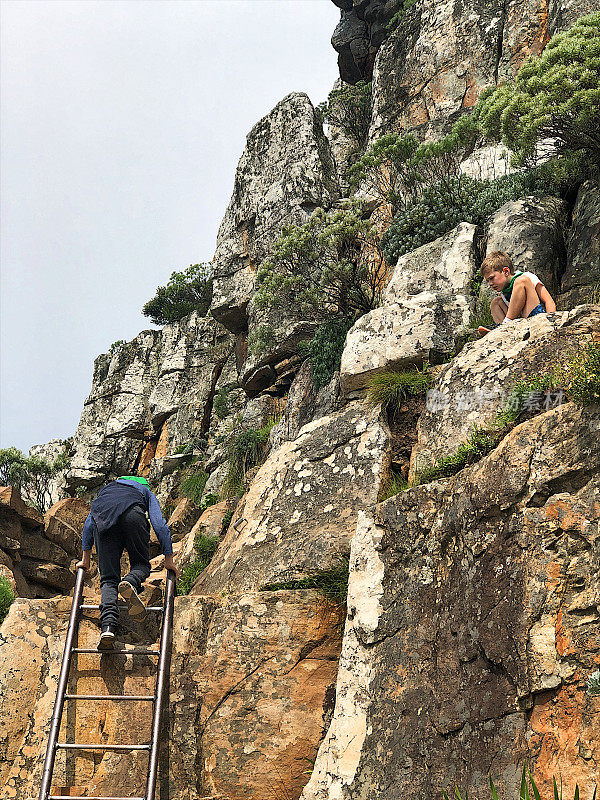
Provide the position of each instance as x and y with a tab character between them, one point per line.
330	265
31	476
555	96
187	291
349	108
397	169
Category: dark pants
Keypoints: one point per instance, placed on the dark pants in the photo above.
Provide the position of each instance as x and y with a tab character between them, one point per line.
132	533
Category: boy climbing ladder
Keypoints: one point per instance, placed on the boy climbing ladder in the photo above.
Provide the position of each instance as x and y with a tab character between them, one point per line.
117	521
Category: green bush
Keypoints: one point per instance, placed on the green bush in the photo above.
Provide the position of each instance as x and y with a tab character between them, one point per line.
554	96
187	291
246	450
221	401
205	548
581	379
6	597
325	349
442	206
332	582
349	108
192	486
391	387
115	346
395	20
330	266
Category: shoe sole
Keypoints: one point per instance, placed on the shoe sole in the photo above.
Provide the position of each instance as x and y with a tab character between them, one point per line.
106	642
135	606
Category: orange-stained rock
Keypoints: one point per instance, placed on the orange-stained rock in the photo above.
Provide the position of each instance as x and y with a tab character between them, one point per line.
250	685
10	498
64	523
183	519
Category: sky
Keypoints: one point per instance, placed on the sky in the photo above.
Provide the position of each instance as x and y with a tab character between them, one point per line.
122	122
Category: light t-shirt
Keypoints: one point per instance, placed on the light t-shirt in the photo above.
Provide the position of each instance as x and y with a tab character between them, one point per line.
533	278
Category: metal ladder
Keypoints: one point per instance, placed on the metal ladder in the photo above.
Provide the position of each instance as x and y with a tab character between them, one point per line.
157	698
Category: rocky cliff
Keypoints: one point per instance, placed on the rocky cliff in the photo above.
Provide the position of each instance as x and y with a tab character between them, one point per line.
471	622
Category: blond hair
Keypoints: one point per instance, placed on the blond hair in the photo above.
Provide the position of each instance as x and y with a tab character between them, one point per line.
496	261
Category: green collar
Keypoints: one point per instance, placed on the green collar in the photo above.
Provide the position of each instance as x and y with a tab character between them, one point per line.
143	481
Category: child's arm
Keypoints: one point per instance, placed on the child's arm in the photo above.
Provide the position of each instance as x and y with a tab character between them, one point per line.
545	297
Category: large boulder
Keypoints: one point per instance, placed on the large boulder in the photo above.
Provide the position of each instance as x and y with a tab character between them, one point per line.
581	280
472	627
300	510
285	172
531	230
476	385
427	305
251	694
64	521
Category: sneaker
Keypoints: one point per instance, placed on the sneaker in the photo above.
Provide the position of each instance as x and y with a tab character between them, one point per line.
135	606
107	638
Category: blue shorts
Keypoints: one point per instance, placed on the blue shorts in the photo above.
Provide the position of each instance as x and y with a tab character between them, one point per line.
539	309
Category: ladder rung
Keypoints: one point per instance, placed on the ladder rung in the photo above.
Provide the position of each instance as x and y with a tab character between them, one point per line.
87	607
80	797
109	697
62	746
132	652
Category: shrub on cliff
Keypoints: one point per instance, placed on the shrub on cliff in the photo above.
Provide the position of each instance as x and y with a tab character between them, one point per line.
555	96
397	169
187	291
6	597
443	205
349	108
325	349
331	265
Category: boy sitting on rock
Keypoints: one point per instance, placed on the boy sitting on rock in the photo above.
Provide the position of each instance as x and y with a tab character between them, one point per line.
117	521
521	294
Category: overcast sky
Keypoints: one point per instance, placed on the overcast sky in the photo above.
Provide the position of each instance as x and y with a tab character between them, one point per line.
122	125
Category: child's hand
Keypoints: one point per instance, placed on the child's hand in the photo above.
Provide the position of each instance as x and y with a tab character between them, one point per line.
170	564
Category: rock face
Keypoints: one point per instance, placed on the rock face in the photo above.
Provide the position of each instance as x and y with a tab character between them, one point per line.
285	172
300	510
426	305
477	383
472	625
37	554
435	64
360	32
251	693
582	275
149	397
531	231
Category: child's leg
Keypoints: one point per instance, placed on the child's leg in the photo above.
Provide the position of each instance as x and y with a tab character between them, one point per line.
136	534
523	299
110	549
498	308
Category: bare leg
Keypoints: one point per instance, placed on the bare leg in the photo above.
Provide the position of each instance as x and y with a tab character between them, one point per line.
498	310
523	299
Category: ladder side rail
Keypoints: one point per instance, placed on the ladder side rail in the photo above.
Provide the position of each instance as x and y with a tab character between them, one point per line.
161	682
62	686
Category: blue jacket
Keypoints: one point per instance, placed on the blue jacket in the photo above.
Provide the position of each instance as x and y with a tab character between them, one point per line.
116	498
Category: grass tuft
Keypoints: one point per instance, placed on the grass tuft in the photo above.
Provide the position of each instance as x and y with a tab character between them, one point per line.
393	386
205	547
332	582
